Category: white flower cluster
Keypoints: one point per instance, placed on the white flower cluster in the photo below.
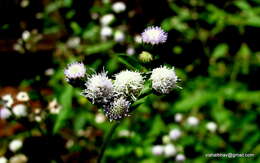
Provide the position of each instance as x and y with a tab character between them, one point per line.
106	30
19	107
116	96
10	108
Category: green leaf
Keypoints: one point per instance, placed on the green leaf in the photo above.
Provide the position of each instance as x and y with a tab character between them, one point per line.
158	126
98	48
65	101
220	51
130	62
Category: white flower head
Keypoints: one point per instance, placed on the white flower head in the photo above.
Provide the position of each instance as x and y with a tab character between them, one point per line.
106	32
49	72
107	19
19	158
26	35
15	145
154	35
73	42
118	7
157	150
178	117
193	121
75	70
5	113
138	39
169	150
100	118
23	96
130	51
129	83
119	36
180	158
118	110
20	110
175	134
211	126
8	100
54	107
3	159
163	79
99	89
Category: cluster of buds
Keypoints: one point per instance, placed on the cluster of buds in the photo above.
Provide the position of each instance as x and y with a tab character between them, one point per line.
116	95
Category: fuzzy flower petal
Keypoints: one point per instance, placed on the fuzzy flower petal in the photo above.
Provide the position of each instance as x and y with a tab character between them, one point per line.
99	89
118	110
75	70
163	79
154	35
129	83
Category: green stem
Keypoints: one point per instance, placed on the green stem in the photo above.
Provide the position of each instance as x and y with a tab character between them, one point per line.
106	141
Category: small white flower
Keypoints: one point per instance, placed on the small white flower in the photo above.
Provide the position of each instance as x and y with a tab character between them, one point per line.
99	89
20	110
15	145
107	19
94	16
157	150
163	79
23	96
169	150
193	121
75	70
3	159
49	72
5	113
73	42
154	35
175	134
100	118
8	100
119	36
130	51
106	32
180	158
138	39
118	110
178	117
26	35
125	133
129	83
211	126
19	158
118	7
54	107
38	118
166	139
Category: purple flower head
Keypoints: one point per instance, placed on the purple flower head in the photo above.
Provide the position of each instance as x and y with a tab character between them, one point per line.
154	35
75	70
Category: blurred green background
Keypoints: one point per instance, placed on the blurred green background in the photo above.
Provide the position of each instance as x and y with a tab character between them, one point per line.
213	45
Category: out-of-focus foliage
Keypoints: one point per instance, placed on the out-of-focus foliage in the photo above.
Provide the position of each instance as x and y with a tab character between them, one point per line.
213	45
